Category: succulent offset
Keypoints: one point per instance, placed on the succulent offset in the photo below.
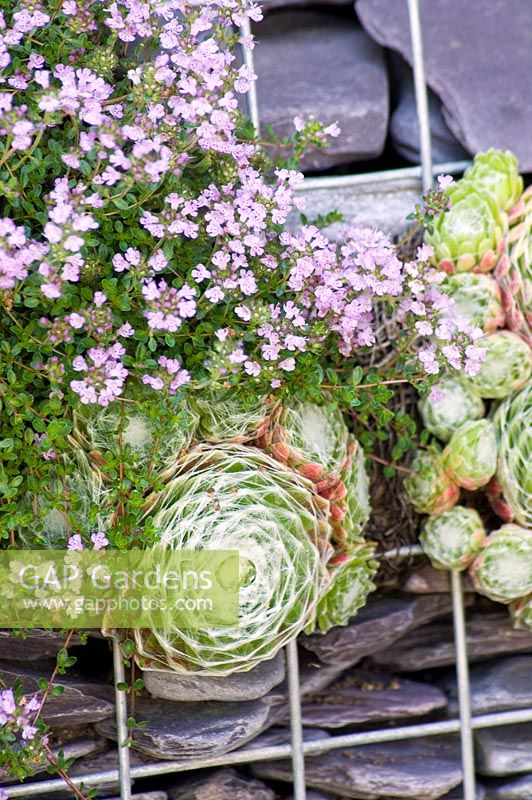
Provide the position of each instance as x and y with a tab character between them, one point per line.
511	491
451	540
357	506
506	368
477	297
471	234
442	416
498	172
230	497
352	581
315	435
470	457
521	611
514	270
230	415
503	570
428	487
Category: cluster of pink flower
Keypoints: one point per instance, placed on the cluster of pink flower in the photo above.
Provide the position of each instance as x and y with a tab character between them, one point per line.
99	541
104	375
16	714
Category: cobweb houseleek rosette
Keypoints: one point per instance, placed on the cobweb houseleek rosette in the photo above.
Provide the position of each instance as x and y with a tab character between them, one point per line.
230	415
503	569
511	491
498	172
428	486
451	540
514	270
477	297
506	367
229	497
521	612
470	458
444	415
470	235
352	576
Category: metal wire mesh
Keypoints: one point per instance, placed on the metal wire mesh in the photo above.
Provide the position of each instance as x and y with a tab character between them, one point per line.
298	748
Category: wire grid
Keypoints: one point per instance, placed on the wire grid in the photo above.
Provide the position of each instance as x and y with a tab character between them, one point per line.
298	748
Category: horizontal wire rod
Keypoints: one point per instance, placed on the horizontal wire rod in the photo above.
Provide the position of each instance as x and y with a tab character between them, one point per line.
252	755
383	176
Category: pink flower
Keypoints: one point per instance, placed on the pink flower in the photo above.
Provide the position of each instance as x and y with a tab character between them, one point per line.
75	542
99	540
445	181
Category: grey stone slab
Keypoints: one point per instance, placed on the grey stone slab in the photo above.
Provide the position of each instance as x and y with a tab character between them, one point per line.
424	769
497	686
378	625
513	789
504	751
360	698
193	730
458	793
487	99
404	125
82	701
224	784
488	634
428	580
243	686
35	645
311	63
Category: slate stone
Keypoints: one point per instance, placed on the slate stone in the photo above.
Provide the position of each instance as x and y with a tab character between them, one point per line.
404	126
311	63
458	793
314	675
82	701
360	698
501	685
224	784
193	730
488	634
504	751
487	98
424	769
36	645
242	686
513	789
378	625
429	580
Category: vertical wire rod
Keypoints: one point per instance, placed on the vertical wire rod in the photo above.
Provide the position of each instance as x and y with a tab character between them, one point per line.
252	99
420	86
464	693
124	766
298	756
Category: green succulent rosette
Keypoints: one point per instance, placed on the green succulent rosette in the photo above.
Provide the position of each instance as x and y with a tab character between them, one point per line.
521	612
428	486
470	458
355	478
470	235
498	172
514	270
458	405
477	297
229	497
451	540
503	570
352	582
315	435
229	415
512	499
506	368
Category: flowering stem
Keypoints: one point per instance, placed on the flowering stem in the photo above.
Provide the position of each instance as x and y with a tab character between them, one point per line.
62	774
52	678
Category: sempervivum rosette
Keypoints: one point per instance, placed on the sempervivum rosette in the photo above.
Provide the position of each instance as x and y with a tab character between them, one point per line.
511	491
506	367
498	172
470	458
352	580
442	415
315	442
452	539
503	570
229	415
477	297
229	497
521	611
429	488
471	234
514	270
